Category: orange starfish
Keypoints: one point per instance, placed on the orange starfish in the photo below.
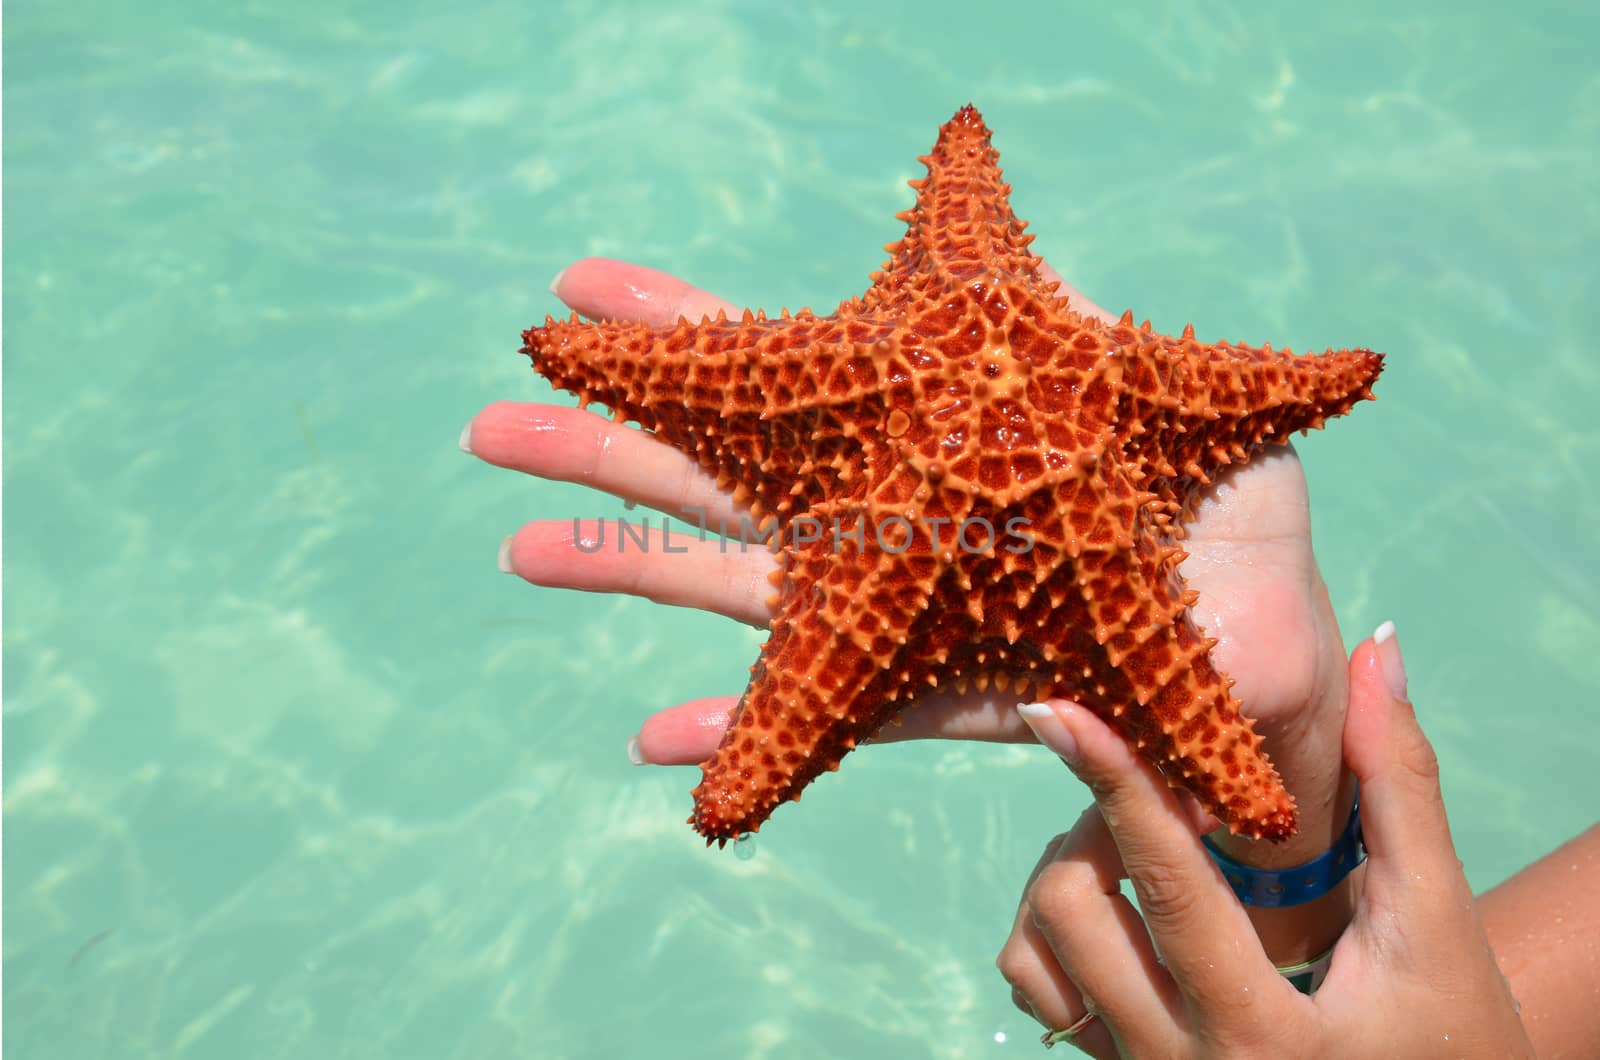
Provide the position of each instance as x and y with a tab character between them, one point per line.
970	481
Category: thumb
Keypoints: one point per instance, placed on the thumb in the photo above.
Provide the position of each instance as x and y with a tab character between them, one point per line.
1403	820
1418	916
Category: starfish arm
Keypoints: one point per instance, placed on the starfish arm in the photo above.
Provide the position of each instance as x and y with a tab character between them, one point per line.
1207	406
831	674
1155	678
962	225
772	408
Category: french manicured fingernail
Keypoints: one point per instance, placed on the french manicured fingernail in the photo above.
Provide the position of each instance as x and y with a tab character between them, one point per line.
635	755
505	556
1389	660
1047	725
557	283
466	438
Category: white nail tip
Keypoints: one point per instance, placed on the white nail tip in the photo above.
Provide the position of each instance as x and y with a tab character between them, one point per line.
635	755
1383	633
505	556
1035	710
466	438
557	283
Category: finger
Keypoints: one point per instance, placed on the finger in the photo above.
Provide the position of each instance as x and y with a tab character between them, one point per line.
1025	960
1096	933
989	716
1418	909
1048	995
690	732
571	445
1403	822
1074	297
684	735
669	567
603	289
1198	926
1078	920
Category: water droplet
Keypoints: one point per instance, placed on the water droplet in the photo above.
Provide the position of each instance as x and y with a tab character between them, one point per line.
744	848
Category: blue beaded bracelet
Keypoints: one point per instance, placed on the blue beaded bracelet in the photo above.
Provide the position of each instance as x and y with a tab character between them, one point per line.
1275	888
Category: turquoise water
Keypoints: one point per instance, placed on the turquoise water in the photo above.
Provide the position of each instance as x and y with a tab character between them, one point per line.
292	770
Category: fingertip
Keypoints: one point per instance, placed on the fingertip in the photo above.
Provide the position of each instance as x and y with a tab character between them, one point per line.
1402	807
1366	722
1380	717
606	289
1075	298
684	735
589	284
1051	721
1088	746
655	742
1387	647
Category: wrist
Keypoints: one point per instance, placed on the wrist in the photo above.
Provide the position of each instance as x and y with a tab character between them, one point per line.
1290	934
1298	933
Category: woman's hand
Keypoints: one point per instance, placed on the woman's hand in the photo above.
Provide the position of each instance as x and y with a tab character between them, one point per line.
1250	558
1184	974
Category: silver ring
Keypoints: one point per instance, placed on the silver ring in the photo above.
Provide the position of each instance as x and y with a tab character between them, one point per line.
1066	1034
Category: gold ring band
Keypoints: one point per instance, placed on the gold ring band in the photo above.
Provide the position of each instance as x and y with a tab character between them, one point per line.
1066	1034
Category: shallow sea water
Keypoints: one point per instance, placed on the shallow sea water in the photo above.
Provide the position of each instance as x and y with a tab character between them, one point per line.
292	770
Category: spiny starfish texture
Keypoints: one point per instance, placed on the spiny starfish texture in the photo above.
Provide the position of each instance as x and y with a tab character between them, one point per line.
971	482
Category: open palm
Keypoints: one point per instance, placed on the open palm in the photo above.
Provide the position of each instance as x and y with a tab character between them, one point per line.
1249	550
